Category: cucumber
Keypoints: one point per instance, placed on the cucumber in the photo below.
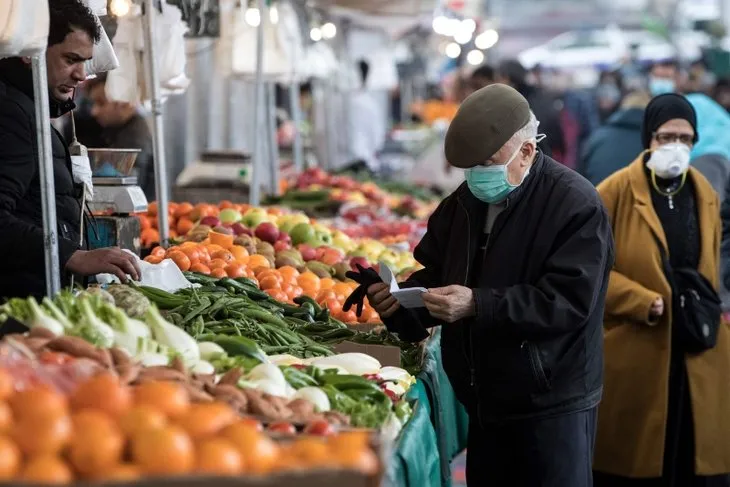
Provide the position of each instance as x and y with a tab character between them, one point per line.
240	345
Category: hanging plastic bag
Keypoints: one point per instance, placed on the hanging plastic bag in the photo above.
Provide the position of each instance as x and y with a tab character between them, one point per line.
96	6
24	27
276	60
383	70
104	59
289	34
170	45
122	83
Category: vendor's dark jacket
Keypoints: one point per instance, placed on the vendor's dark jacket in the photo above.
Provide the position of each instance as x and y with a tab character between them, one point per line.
535	347
21	217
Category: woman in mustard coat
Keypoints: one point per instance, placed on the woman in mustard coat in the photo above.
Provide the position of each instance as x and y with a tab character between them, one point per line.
665	415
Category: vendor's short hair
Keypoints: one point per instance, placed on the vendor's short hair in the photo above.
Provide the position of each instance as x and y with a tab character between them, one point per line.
69	15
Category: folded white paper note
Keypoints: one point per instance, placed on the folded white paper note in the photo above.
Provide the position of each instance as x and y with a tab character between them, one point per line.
411	297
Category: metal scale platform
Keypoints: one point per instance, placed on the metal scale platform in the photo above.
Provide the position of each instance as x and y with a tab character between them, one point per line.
117	198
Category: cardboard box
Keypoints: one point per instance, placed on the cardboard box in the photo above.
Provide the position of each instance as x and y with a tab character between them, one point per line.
387	355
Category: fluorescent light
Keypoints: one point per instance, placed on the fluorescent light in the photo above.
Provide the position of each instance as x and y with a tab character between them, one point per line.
252	16
462	37
119	8
440	24
329	30
453	50
486	39
274	14
475	57
468	25
315	34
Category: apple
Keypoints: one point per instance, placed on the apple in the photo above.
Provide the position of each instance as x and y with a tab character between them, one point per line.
284	237
240	229
210	221
268	232
362	261
229	215
303	233
254	217
308	253
282	245
331	256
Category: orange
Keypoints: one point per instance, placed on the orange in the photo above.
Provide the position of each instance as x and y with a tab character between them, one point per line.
218	273
277	294
235	270
325	296
42	434
183	209
350	440
218	263
6	418
295	292
7	387
141	418
218	456
269	282
348	317
361	459
326	283
46	469
225	204
260	453
10	458
212	248
225	241
91	420
93	452
103	392
309	282
121	473
200	269
167	397
312	452
334	306
193	254
171	207
184	225
240	254
206	419
257	260
38	402
264	272
164	451
153	259
144	222
288	272
180	259
158	251
368	315
223	255
152	208
149	237
342	288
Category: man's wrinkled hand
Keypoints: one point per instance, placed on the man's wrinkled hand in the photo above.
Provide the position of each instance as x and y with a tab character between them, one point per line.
381	300
450	304
104	261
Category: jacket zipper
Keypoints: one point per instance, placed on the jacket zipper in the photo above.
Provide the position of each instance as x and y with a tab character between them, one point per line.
470	352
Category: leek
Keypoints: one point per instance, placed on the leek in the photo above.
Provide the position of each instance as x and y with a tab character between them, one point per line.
169	335
39	319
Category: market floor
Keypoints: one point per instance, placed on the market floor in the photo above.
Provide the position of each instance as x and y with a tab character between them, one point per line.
458	471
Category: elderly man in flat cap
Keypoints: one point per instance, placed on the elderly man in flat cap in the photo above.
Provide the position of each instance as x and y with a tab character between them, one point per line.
516	266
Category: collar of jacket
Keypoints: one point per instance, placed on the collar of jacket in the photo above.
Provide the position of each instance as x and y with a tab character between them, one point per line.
18	75
641	191
472	203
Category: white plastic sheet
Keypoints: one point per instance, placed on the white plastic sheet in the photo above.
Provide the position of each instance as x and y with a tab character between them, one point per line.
24	27
104	59
166	275
277	62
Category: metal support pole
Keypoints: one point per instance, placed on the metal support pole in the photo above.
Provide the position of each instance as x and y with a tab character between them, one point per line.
258	161
296	115
271	138
45	166
158	140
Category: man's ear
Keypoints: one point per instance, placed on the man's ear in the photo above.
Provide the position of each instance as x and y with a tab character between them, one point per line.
528	150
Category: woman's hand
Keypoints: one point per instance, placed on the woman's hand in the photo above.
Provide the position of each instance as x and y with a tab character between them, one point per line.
657	308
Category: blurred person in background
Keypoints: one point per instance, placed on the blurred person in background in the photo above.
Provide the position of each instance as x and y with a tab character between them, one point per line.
700	79
547	111
109	124
721	93
614	145
664	77
711	154
367	127
663	419
608	94
483	76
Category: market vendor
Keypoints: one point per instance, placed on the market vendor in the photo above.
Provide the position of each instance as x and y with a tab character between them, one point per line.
516	262
73	32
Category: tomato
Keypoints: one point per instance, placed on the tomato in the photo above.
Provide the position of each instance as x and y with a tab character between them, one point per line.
55	358
282	427
253	423
319	428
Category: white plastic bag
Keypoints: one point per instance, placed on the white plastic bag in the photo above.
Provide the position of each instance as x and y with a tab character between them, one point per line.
81	170
104	59
383	73
166	275
97	6
24	27
122	83
276	63
170	43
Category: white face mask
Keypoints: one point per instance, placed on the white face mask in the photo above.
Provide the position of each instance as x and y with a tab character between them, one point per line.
670	160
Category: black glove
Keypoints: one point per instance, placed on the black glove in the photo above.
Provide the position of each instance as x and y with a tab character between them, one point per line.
366	278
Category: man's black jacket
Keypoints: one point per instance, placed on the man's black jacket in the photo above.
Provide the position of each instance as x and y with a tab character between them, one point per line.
21	228
535	346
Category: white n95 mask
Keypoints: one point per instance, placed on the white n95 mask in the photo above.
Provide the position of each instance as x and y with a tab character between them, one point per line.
670	160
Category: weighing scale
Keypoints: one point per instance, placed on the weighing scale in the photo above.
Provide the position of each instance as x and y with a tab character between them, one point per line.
117	198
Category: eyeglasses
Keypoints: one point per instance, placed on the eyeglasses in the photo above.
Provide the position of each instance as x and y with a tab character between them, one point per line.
669	137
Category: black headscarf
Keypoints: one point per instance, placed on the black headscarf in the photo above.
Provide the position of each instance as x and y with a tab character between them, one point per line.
664	108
